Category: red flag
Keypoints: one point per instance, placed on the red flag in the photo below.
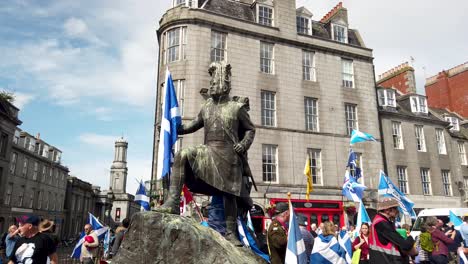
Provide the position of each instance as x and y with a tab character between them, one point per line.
187	194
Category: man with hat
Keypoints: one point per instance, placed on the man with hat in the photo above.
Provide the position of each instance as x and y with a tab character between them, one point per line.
386	245
33	246
306	235
277	234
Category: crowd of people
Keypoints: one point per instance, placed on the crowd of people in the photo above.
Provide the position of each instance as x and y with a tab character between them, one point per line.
380	242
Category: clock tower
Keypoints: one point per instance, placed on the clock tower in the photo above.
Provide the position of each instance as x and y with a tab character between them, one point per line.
118	172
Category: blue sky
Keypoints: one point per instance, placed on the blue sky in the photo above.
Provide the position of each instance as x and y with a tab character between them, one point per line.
84	71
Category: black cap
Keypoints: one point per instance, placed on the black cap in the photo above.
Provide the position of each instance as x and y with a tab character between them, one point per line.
302	219
281	207
30	219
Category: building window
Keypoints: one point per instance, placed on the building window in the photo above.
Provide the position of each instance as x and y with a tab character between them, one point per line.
462	153
218	46
39	199
53	203
269	163
44	173
418	104
178	144
315	165
308	66
51	173
3	144
47	200
440	141
402	179
426	181
454	122
179	2
311	114
24	172
16	137
348	73
397	135
36	169
32	145
266	57
176	41
8	192
45	151
386	97
340	33
268	109
31	198
265	15
14	159
420	141
179	86
21	196
446	182
303	25
351	118
189	3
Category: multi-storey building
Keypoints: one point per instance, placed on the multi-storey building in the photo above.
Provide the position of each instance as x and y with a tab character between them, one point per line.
423	146
309	83
8	122
449	89
36	182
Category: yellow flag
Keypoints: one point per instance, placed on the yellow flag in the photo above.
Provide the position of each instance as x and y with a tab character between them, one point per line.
308	174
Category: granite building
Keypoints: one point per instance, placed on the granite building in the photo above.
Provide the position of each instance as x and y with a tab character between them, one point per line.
310	82
424	147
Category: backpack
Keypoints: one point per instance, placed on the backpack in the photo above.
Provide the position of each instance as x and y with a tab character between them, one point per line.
425	240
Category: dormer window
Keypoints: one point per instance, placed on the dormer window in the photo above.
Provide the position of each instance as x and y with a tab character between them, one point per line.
340	33
418	104
386	97
454	122
303	25
188	3
265	15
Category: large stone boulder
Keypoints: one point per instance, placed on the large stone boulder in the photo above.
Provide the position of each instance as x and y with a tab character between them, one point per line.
164	238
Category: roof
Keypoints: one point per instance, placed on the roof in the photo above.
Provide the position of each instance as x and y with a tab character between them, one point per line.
332	13
231	8
462	133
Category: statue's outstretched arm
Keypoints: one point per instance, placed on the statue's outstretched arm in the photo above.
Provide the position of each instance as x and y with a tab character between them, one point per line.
192	126
249	128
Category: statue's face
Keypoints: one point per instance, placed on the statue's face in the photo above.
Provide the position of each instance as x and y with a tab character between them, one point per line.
218	86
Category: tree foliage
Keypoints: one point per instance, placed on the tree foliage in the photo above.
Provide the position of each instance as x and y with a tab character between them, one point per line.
7	96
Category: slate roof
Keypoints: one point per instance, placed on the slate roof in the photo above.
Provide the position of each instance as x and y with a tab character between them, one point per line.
462	133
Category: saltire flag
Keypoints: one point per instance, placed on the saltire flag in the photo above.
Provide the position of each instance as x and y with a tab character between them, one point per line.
353	165
295	250
141	198
358	136
352	189
106	243
388	189
362	217
98	228
249	222
308	174
327	250
345	243
170	120
456	221
248	241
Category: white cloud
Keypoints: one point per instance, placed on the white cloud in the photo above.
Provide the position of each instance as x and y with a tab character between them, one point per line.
77	28
96	140
22	99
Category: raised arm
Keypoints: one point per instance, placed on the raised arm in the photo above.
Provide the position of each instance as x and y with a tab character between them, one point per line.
192	126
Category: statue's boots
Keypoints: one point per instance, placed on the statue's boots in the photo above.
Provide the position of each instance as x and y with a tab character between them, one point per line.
172	205
231	232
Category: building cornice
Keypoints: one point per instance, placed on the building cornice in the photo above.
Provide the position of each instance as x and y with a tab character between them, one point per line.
413	118
260	33
39	157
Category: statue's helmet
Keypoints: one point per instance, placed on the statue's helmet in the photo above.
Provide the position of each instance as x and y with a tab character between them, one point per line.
220	83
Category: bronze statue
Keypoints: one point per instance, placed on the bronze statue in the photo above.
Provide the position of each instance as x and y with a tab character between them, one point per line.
219	167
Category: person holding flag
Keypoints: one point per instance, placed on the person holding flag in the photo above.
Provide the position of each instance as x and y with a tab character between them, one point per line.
90	245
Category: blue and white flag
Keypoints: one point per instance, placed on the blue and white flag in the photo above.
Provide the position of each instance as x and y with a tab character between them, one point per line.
170	120
98	228
295	250
462	256
106	243
141	198
353	165
248	241
327	249
362	217
345	243
358	136
249	221
456	221
388	189
352	189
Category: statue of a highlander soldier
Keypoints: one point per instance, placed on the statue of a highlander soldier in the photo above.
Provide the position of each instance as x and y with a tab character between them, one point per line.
219	167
